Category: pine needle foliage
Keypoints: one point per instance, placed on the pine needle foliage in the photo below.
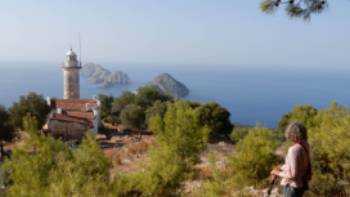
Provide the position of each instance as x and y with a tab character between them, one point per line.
295	8
180	138
49	167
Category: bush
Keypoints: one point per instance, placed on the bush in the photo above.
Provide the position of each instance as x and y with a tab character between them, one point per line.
302	113
254	158
182	130
122	101
157	109
33	104
216	118
330	152
49	167
133	116
180	139
239	133
106	106
6	129
146	96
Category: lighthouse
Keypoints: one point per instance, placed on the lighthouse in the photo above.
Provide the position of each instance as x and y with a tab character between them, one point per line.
71	68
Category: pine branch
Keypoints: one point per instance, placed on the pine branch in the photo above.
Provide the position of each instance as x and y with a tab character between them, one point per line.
295	8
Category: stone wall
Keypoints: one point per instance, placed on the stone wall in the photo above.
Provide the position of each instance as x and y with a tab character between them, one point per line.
67	130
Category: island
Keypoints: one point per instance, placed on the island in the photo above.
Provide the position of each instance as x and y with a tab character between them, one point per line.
167	84
103	78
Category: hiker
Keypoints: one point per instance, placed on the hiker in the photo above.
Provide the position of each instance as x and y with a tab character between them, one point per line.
296	171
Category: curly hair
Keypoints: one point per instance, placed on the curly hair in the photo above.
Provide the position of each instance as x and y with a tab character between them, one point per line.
296	131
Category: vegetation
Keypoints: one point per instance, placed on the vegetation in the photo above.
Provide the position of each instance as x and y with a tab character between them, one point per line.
6	129
33	104
295	8
330	151
239	133
157	109
121	102
135	111
106	106
145	98
216	118
180	139
254	158
249	166
301	113
49	167
133	116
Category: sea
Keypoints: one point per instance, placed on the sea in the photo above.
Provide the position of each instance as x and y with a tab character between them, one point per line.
251	95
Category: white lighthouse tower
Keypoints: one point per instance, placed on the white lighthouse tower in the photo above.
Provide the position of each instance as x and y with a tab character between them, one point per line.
71	68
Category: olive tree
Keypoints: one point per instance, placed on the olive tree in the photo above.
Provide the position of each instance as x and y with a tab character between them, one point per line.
133	116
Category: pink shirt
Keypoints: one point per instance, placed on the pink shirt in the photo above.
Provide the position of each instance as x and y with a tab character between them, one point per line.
295	167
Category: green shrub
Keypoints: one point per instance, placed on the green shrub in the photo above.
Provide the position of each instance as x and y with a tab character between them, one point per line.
122	101
216	118
146	96
180	138
157	109
6	129
254	158
330	152
106	107
301	113
239	133
133	116
33	104
181	130
49	167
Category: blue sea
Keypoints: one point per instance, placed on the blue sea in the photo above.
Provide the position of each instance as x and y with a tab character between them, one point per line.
251	95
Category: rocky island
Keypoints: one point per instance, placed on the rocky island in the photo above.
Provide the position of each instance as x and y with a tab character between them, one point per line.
101	77
167	84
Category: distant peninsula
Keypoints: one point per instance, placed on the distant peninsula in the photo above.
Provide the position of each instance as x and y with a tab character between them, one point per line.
103	78
167	84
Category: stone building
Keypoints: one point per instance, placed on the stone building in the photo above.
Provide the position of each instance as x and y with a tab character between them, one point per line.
72	116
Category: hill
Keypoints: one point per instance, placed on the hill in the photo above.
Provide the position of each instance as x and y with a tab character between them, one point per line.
167	84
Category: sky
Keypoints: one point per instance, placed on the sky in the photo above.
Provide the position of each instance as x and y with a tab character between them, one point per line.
201	33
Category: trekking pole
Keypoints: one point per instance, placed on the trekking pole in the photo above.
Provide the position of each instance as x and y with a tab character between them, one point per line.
274	178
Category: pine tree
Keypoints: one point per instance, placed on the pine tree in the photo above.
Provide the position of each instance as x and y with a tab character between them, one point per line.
295	8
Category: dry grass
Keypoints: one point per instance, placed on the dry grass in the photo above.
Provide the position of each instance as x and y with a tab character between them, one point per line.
138	148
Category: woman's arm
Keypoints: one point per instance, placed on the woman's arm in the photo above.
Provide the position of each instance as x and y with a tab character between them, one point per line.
291	169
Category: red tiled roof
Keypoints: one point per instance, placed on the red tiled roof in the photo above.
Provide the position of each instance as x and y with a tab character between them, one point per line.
66	118
74	104
78	114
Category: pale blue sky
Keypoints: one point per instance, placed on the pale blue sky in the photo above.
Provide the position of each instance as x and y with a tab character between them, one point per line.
174	32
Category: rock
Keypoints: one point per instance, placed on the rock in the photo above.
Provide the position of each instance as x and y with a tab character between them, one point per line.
103	78
167	84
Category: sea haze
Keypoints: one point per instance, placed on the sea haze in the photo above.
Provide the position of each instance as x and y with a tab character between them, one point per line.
250	96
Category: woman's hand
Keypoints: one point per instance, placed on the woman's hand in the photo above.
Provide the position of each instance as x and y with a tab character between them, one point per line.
275	172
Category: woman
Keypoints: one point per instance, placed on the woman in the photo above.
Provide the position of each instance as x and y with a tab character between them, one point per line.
296	172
